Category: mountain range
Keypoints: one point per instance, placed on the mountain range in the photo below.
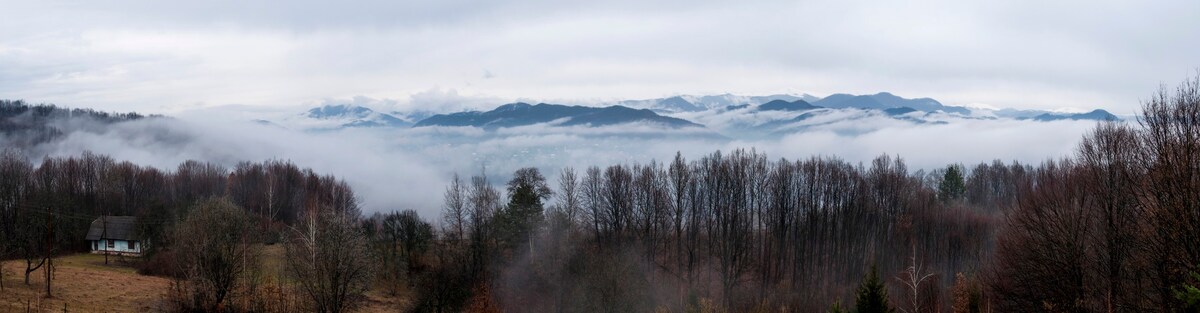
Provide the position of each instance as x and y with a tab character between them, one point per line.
345	115
689	103
884	100
783	105
1098	115
523	114
746	115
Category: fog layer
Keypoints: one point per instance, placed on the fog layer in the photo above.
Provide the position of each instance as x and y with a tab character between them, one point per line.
394	168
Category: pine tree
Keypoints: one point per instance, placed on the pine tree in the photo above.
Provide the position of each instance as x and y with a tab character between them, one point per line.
1189	294
952	186
524	213
872	297
518	219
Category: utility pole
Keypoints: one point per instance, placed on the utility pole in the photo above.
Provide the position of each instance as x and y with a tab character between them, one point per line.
104	237
49	249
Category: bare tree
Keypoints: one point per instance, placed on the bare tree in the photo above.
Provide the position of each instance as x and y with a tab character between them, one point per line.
1170	159
483	203
568	196
593	199
1043	257
455	213
618	197
913	278
680	182
1108	157
329	258
215	244
407	237
194	181
14	184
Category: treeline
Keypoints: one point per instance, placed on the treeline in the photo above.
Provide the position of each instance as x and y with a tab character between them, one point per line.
26	125
731	230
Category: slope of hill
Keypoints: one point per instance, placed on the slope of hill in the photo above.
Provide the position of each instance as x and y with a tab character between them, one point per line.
22	124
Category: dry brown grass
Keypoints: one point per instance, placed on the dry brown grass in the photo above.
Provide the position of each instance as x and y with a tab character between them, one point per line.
83	283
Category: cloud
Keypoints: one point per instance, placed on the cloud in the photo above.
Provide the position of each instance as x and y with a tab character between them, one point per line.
160	57
218	63
929	146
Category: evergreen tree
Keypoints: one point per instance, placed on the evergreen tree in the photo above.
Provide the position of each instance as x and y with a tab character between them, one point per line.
953	186
524	212
872	297
522	215
1189	294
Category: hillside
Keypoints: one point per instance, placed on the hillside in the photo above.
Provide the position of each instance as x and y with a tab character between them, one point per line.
24	124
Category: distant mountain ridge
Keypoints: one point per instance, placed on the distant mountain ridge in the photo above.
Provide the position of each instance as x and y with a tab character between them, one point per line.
782	105
355	116
1097	115
885	100
524	114
690	103
744	116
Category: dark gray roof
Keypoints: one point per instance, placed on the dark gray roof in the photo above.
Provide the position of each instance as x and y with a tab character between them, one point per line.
119	228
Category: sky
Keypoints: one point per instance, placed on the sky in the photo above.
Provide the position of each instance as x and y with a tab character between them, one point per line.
216	65
170	56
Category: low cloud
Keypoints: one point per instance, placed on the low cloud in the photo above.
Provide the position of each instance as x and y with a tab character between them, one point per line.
394	169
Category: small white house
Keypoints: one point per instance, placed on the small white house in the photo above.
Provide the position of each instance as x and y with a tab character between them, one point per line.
115	235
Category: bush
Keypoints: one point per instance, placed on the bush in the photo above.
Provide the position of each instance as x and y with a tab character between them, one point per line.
162	264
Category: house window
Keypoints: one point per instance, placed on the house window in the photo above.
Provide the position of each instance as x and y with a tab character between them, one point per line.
133	245
112	244
95	246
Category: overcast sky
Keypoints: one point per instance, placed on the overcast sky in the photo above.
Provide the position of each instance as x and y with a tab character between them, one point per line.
170	56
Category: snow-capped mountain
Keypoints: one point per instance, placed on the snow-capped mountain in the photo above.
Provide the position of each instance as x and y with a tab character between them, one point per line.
691	103
345	115
730	115
851	114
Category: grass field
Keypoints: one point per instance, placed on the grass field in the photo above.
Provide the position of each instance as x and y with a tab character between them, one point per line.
83	283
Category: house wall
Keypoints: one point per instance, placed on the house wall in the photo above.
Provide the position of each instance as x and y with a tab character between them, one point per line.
119	246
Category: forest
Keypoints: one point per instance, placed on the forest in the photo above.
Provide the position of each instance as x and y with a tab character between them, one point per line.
24	125
1115	227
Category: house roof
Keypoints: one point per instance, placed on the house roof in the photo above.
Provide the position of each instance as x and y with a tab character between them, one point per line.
118	228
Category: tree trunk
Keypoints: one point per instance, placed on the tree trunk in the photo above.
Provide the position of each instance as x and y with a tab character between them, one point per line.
29	268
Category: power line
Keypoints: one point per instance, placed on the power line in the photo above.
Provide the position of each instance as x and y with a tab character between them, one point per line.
29	208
